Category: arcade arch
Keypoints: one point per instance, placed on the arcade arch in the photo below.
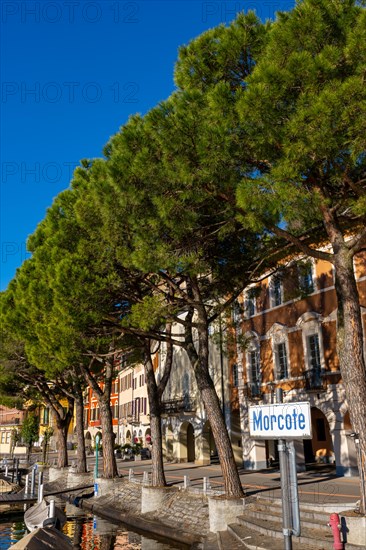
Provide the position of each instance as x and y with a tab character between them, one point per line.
186	443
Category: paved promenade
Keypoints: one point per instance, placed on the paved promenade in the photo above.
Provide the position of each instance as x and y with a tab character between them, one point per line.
320	486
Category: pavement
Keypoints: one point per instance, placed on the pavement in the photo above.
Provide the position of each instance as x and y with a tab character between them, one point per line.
319	486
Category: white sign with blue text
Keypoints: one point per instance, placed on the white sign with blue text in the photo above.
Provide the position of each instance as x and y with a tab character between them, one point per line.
280	421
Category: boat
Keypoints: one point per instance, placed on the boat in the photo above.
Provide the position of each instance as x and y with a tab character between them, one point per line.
43	539
44	514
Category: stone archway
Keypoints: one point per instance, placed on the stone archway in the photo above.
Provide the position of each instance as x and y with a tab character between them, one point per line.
208	447
88	442
186	443
169	442
320	448
128	437
148	437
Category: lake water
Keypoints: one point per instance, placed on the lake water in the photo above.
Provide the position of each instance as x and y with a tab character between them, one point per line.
85	532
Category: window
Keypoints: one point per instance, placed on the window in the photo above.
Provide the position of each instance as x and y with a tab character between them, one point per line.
306	277
237	311
250	303
276	291
281	360
235	375
313	374
254	372
312	341
46	413
314	352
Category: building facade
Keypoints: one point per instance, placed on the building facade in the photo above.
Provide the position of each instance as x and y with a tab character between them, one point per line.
186	431
129	405
10	422
286	337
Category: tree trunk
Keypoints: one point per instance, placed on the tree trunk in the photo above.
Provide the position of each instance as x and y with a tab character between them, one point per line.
109	460
351	355
62	456
232	483
158	476
200	364
80	440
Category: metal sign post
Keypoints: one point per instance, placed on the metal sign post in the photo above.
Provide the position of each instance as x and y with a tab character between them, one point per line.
294	493
284	422
285	485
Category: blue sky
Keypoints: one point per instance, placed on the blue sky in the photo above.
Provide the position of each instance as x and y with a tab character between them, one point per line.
72	72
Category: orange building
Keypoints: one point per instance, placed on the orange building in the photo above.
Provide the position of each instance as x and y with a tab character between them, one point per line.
286	337
92	423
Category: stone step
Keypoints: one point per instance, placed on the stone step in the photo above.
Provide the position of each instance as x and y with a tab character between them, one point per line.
211	542
228	541
321	538
257	541
307	510
314	522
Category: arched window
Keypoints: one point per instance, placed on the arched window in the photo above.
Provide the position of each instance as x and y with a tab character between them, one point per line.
280	351
276	291
312	340
253	363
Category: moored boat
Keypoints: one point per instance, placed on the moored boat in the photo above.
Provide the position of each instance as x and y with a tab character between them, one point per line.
44	514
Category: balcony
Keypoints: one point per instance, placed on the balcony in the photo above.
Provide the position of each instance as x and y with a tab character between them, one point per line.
10	421
177	406
313	380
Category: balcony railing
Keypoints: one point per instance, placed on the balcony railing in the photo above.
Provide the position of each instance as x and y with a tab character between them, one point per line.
177	406
313	380
9	421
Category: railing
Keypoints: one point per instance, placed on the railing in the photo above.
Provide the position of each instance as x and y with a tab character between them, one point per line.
10	422
176	406
133	419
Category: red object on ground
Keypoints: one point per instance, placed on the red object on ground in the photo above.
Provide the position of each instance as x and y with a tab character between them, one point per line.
335	524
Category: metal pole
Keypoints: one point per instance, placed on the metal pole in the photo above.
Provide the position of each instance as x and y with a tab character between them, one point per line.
40	492
16	470
51	513
40	486
26	484
296	527
285	485
206	484
361	473
33	481
186	482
